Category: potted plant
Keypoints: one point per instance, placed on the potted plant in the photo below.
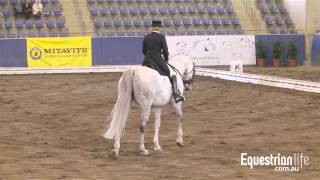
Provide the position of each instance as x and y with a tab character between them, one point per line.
292	53
276	54
261	53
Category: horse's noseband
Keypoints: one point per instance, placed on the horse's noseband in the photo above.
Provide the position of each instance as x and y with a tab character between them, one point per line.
189	81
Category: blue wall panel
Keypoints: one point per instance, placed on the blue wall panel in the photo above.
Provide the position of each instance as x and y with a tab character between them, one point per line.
269	39
117	51
13	53
315	52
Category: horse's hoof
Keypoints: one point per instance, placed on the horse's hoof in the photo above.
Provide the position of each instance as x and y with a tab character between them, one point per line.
158	149
144	152
181	144
115	155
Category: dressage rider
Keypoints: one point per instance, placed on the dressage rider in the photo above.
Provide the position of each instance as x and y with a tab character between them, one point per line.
154	46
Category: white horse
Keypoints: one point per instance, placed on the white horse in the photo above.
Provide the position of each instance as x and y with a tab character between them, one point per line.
149	89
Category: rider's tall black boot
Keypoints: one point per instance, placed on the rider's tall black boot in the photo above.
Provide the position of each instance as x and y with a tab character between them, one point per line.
176	95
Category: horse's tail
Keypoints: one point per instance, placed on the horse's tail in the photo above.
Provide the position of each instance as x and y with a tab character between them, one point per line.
121	109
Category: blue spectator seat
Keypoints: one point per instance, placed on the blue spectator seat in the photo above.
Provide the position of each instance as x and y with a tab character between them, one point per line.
196	21
123	11
201	10
283	10
147	22
274	9
137	22
173	10
131	1
211	10
39	24
19	24
101	1
94	11
226	21
104	11
51	24
186	21
143	10
268	20
117	22
127	22
97	23
235	21
177	22
114	11
57	11
288	20
29	23
192	10
163	10
60	23
230	10
167	22
107	23
182	10
216	21
153	10
278	20
221	10
8	24
206	21
6	12
133	11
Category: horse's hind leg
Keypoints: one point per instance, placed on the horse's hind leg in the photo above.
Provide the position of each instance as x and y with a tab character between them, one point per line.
144	119
157	124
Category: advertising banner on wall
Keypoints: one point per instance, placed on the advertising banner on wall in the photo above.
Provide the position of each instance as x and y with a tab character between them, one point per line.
59	52
214	50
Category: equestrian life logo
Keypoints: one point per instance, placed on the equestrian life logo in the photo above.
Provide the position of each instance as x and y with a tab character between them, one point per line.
281	163
35	53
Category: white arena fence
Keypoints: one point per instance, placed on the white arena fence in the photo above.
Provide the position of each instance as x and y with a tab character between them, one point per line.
300	85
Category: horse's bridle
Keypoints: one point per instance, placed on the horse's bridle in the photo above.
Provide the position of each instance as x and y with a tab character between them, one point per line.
193	71
189	81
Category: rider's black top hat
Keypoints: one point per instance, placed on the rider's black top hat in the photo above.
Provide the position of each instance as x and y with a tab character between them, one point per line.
156	24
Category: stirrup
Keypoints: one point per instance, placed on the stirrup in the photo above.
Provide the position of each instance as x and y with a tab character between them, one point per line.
179	98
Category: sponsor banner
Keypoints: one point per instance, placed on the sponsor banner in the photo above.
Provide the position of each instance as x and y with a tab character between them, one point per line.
59	52
214	50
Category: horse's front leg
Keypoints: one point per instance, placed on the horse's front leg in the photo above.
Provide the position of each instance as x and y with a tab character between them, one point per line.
178	109
157	124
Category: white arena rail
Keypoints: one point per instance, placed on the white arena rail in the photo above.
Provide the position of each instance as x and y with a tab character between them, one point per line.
300	85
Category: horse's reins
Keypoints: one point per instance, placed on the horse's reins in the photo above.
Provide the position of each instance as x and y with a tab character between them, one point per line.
177	71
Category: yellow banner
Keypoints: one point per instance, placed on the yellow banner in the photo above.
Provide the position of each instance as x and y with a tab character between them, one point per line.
59	52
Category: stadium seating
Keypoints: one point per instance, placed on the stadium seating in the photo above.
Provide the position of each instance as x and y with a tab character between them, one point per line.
276	17
179	17
52	22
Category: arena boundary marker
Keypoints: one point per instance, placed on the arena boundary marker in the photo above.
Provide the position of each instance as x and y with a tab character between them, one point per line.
300	85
